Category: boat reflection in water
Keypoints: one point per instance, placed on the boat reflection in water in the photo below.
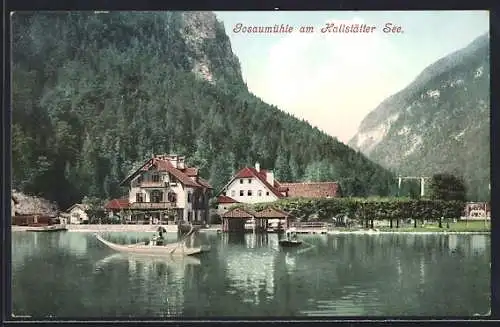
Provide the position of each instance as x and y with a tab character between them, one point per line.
163	276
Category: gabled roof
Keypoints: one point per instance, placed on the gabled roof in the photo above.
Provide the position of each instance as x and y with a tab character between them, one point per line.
204	183
190	171
249	172
312	189
117	204
271	212
225	199
166	165
240	213
78	205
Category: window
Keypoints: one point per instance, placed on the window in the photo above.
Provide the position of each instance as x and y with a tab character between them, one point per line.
172	197
249	193
139	197
241	193
156	196
267	193
249	181
190	215
189	197
156	178
233	193
139	179
224	193
216	207
259	192
241	181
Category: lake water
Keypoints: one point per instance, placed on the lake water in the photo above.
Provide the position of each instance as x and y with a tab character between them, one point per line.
72	275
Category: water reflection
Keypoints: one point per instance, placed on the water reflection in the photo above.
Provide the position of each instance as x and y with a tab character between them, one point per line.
250	272
249	275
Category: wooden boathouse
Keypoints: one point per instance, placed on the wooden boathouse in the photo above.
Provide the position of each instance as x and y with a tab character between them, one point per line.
235	219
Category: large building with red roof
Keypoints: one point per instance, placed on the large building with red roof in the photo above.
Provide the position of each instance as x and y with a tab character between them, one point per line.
256	185
164	189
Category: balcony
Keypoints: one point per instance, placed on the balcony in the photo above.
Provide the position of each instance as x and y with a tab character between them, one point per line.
153	205
151	184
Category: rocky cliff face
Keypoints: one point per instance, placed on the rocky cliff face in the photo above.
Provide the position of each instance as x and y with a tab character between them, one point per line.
201	31
440	122
28	205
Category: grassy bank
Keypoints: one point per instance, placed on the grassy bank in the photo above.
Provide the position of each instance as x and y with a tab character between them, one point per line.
460	226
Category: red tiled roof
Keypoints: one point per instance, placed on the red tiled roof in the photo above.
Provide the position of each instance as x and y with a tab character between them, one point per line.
190	171
225	199
204	183
165	165
272	213
117	204
312	190
249	172
240	213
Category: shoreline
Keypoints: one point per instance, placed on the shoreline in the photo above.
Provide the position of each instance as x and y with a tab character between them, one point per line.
216	228
372	232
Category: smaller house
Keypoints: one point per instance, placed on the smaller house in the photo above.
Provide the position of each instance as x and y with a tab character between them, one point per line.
224	203
64	218
78	214
115	207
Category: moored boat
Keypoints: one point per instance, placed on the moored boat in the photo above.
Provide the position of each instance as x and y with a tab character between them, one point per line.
50	228
177	249
291	239
289	243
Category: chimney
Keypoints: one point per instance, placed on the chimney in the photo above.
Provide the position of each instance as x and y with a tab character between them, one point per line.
257	167
173	159
180	163
270	177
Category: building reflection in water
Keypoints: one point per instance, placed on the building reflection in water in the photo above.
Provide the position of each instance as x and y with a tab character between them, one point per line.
250	272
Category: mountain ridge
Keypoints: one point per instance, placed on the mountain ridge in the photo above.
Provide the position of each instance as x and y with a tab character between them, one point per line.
439	122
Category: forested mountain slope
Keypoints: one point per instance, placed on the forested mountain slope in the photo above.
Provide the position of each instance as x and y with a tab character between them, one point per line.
96	94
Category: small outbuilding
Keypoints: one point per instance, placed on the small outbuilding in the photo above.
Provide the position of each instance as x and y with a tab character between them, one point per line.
78	214
237	219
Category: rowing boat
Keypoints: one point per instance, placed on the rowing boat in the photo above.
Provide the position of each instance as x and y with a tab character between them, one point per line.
51	228
289	243
177	249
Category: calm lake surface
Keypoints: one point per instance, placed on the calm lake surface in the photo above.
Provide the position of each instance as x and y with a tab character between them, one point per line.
71	274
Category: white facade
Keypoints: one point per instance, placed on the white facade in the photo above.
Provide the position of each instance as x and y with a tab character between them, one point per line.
77	215
249	190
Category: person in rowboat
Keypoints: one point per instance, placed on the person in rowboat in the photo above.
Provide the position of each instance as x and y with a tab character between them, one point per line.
160	239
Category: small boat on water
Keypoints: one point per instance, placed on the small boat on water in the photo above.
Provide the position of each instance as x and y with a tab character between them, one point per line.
291	239
289	243
49	228
177	249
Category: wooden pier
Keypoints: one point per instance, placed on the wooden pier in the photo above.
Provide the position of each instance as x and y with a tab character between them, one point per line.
311	227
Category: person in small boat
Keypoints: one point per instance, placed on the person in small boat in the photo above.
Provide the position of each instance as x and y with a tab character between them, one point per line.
160	240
